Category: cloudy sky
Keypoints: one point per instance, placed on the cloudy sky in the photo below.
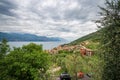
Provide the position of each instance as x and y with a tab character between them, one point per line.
69	19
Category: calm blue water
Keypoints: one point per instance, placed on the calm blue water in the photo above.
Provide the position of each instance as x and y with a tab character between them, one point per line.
46	45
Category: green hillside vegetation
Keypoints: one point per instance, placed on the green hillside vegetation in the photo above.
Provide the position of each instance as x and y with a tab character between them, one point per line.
91	41
73	62
94	37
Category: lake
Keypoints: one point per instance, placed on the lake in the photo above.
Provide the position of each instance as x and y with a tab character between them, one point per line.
46	45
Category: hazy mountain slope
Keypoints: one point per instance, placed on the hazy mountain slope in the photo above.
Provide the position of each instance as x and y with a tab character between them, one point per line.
27	37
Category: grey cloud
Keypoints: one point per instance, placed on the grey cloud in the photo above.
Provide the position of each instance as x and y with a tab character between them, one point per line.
88	8
75	15
5	6
64	30
62	18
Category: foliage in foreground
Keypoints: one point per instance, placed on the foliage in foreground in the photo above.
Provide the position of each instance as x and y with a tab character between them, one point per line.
4	48
72	62
27	63
110	39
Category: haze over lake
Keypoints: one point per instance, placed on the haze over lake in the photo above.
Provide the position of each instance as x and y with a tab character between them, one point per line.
46	45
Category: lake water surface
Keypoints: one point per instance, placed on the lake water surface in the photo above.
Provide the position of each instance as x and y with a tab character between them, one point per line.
46	45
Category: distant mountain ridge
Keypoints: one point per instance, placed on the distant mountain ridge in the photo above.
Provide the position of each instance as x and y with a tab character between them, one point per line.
27	37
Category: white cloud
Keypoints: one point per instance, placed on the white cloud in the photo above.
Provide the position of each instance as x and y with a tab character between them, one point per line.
68	19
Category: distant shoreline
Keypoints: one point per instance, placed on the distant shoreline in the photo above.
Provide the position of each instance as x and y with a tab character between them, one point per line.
47	45
37	41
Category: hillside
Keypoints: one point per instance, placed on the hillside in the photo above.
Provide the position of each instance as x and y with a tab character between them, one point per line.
27	37
90	41
92	37
80	55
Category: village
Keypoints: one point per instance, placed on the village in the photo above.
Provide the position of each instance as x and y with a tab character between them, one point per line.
80	48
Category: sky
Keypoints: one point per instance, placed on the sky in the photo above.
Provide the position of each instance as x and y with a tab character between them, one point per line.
69	19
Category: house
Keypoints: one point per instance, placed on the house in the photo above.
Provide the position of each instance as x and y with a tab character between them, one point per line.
80	75
86	51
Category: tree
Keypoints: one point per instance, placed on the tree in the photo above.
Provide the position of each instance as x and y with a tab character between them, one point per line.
110	39
4	48
27	63
74	64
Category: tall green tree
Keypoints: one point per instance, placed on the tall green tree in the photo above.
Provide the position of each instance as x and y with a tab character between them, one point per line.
74	64
4	48
27	63
110	39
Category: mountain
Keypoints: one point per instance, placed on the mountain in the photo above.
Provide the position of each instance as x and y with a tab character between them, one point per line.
92	37
27	37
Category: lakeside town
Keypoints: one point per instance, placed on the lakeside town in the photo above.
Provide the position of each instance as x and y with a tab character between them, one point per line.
91	26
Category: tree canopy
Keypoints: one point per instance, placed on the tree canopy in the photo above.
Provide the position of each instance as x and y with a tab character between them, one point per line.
29	62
